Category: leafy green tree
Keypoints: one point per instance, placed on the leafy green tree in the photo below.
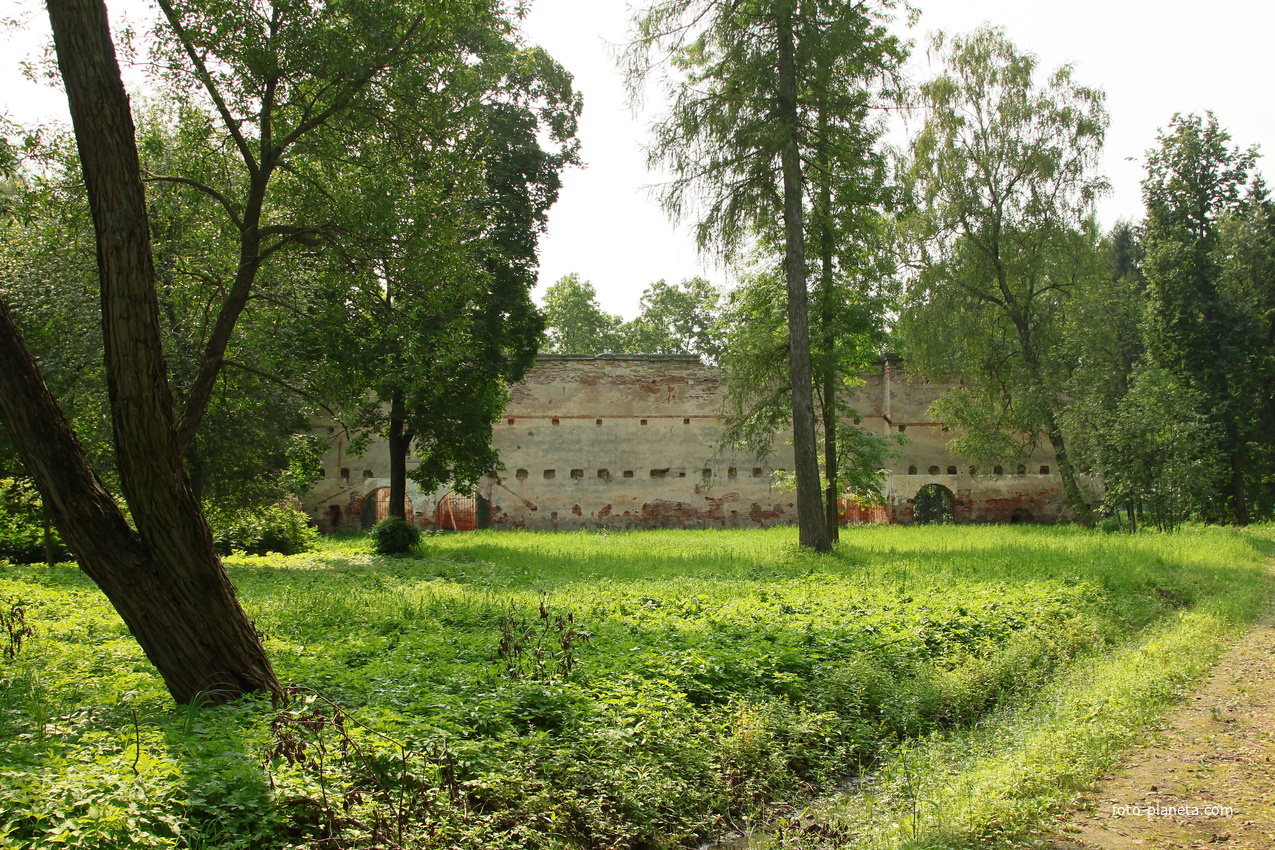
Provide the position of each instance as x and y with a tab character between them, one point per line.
1102	345
1160	452
739	138
1003	170
164	577
575	322
756	402
677	319
277	84
444	319
1246	249
1198	330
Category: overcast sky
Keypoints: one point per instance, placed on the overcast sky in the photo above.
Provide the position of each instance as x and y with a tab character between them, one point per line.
1152	57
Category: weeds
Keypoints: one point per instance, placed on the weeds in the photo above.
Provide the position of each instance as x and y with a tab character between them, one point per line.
723	678
372	787
16	630
540	651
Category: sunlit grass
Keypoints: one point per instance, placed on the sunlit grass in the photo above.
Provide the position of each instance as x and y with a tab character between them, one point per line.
724	670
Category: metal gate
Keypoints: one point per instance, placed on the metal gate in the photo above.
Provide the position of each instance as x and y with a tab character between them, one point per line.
376	507
457	513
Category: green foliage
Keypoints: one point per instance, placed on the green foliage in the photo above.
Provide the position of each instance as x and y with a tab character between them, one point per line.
22	533
1203	331
724	671
1161	452
259	531
574	321
395	536
1003	177
673	319
677	319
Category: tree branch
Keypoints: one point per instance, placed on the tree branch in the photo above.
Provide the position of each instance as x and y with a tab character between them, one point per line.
207	190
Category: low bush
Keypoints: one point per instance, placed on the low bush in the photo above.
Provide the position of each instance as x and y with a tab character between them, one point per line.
22	525
395	536
277	528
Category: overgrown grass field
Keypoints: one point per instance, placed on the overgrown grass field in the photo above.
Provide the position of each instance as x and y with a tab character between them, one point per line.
929	686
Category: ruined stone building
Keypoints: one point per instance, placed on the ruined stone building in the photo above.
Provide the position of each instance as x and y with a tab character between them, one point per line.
630	441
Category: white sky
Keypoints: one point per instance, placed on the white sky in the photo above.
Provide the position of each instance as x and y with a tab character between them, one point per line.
1152	57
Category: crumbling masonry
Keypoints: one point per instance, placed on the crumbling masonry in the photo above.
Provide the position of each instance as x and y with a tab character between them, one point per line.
630	441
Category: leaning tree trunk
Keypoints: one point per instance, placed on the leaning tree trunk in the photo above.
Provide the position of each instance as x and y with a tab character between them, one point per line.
811	524
164	578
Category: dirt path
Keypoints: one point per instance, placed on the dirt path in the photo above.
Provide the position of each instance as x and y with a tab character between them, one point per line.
1207	779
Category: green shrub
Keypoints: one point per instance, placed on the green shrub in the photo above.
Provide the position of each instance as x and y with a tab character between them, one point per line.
22	524
277	528
395	536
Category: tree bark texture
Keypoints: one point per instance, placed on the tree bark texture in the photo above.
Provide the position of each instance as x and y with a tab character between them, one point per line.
399	442
831	408
811	523
164	578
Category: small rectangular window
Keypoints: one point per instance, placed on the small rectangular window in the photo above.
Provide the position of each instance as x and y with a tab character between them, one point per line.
732	473
577	474
550	473
757	472
659	473
628	473
521	475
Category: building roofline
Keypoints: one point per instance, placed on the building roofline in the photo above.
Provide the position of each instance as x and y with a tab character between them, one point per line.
676	358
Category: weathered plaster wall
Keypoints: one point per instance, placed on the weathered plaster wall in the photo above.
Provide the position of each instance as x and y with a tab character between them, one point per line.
893	401
350	480
630	442
626	442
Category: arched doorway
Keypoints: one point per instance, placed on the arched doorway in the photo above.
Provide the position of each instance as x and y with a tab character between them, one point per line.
376	507
457	513
934	504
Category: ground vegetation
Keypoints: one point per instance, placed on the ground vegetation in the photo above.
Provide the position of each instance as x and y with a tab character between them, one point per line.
624	689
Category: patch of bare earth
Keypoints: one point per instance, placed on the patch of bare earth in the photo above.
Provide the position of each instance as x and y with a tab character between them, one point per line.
1207	779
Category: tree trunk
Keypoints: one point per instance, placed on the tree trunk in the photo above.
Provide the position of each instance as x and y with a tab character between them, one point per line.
164	579
1071	487
811	523
831	409
399	442
1084	513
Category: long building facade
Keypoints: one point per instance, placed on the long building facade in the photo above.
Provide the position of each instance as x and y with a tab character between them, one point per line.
632	441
